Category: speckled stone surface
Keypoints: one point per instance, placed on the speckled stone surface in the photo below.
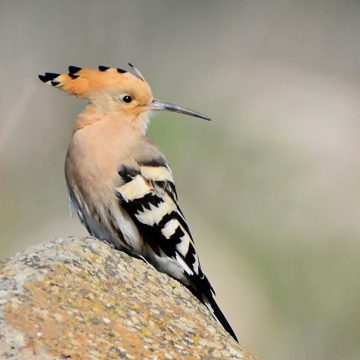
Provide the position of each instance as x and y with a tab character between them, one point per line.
78	298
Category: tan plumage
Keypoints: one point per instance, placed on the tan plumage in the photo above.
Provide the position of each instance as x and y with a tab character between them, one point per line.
119	182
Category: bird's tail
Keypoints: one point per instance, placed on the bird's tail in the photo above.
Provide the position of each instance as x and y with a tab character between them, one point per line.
211	304
203	290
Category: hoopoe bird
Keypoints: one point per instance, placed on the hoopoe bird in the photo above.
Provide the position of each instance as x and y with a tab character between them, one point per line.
120	184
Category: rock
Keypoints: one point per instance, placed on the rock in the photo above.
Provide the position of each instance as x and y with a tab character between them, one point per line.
79	298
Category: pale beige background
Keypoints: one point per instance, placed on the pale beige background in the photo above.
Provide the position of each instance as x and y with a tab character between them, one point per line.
270	187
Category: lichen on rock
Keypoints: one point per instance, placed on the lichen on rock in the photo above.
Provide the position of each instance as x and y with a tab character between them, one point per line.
79	298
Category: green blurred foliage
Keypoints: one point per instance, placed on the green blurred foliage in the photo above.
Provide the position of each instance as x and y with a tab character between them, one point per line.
270	187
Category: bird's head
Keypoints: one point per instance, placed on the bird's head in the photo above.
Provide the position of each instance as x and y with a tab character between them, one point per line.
115	91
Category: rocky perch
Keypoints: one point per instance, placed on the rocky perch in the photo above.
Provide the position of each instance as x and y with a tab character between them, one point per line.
79	298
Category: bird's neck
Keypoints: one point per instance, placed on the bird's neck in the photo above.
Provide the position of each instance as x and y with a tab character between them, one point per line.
98	146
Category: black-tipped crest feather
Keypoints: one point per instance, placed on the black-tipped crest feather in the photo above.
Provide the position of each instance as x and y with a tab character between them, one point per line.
103	68
136	72
74	69
48	77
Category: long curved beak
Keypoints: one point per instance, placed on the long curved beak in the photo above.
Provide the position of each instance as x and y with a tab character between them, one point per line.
158	105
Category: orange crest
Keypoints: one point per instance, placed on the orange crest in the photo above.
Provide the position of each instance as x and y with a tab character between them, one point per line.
85	82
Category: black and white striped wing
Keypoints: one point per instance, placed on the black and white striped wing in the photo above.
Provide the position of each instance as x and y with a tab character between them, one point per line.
147	193
149	196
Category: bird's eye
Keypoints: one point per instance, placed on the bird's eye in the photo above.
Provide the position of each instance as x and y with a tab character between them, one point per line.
127	99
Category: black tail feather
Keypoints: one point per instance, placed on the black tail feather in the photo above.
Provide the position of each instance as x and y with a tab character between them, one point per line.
207	298
218	314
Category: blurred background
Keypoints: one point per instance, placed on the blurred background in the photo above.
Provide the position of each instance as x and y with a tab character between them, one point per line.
270	187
